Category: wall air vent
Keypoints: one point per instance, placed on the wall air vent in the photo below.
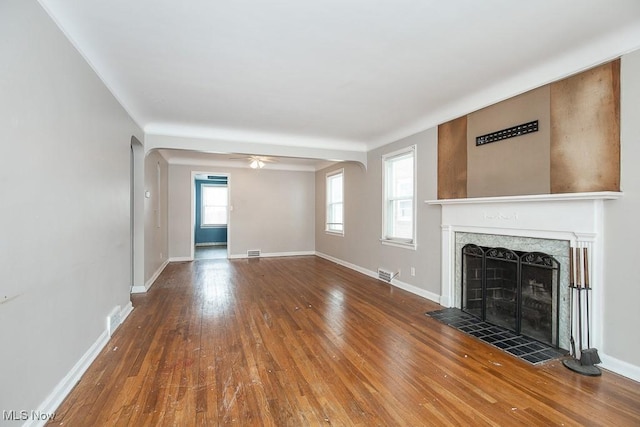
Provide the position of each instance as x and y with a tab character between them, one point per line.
113	320
385	275
253	253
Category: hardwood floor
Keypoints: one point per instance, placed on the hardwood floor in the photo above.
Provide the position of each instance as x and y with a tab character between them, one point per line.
302	341
210	252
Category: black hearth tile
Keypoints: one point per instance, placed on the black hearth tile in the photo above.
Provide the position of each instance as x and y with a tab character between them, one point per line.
511	342
490	339
446	319
531	347
522	347
522	340
534	358
473	328
501	344
517	351
536	346
504	336
460	323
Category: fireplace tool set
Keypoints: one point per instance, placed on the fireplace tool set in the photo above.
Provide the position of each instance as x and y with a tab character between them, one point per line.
579	285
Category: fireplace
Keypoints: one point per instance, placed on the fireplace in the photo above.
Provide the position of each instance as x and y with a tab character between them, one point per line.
548	223
513	289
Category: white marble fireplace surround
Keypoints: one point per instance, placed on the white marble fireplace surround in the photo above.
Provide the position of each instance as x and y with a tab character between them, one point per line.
562	220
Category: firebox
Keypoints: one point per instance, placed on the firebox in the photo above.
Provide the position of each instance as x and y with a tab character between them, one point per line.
512	289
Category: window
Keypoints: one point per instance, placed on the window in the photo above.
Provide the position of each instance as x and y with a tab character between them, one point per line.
214	205
399	198
335	202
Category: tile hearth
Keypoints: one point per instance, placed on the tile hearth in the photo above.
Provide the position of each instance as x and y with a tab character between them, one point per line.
524	348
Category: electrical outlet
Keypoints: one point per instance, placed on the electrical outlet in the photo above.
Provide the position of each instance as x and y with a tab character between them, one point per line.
413	271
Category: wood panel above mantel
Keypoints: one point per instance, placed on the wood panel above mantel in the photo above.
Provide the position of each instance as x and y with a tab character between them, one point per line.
580	150
585	131
452	159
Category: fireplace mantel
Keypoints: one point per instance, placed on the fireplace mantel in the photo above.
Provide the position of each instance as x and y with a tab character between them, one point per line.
602	195
574	217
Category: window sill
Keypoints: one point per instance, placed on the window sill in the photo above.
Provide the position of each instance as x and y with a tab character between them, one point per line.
399	244
334	233
214	226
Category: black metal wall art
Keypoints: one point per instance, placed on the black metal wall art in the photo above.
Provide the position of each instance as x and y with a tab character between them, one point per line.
507	133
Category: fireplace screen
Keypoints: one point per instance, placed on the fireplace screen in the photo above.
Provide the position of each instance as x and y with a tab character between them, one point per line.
512	289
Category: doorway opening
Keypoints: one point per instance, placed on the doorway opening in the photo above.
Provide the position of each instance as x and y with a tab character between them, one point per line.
210	237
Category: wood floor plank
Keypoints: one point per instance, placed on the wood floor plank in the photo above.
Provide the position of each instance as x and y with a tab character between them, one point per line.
302	341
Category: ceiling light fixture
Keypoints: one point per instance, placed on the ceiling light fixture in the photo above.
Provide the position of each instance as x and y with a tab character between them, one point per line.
256	164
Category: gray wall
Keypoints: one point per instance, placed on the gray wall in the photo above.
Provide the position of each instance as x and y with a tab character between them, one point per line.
363	218
272	210
65	217
360	244
156	234
622	230
514	166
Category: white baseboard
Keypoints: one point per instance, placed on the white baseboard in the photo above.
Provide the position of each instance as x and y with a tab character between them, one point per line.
64	387
274	254
125	312
69	381
417	291
395	282
151	281
180	259
620	367
348	265
204	245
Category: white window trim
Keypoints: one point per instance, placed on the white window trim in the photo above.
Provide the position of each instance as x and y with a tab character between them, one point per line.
400	243
202	224
326	205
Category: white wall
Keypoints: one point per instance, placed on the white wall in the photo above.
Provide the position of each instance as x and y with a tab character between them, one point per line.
622	232
360	246
65	217
272	210
156	236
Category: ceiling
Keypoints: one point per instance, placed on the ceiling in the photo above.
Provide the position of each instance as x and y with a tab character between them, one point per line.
348	74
